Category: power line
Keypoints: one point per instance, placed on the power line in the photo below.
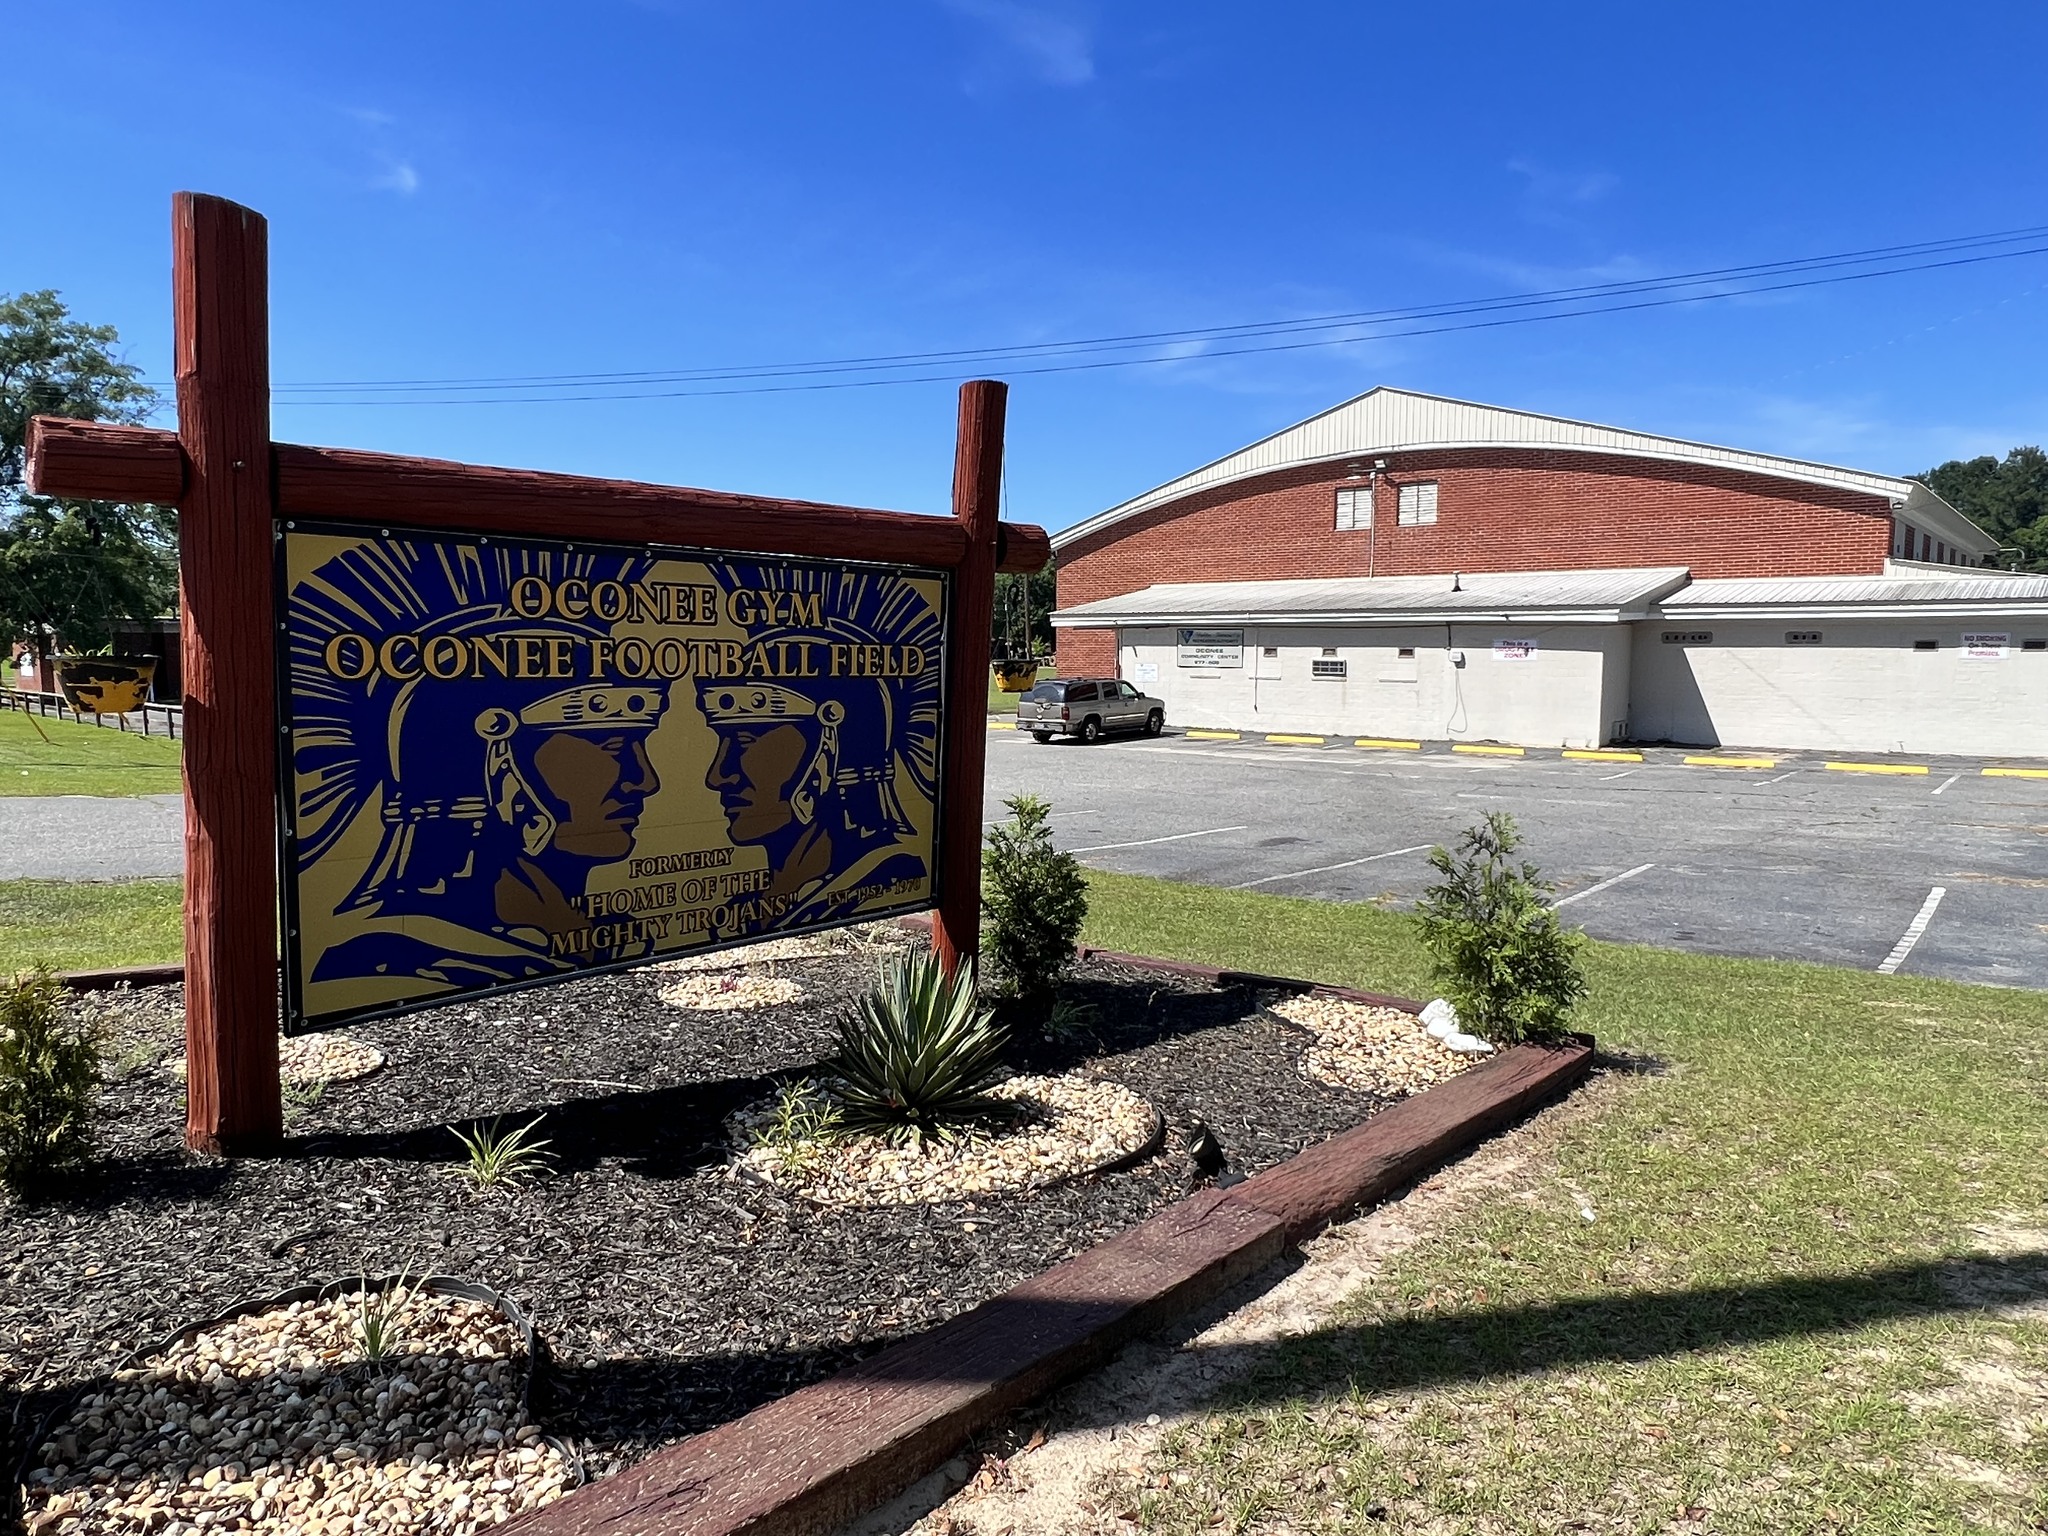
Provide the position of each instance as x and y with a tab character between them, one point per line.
1298	334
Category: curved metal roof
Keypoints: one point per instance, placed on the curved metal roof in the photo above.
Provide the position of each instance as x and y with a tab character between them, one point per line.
1389	421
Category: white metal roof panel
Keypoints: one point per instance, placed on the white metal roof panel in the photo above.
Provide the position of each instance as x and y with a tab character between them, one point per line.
1595	596
1960	595
1388	421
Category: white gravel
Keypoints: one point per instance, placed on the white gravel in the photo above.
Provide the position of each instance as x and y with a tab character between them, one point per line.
1063	1126
275	1424
1368	1049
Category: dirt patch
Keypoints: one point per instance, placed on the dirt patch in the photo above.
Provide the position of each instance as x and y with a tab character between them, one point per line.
1035	1476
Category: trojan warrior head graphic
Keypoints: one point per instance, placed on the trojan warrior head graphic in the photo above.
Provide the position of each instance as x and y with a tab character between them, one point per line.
494	770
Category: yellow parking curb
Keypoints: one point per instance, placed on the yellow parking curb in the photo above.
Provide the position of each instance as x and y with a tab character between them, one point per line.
1295	741
1002	725
1374	741
1579	756
1468	746
1731	762
1875	767
1212	735
2016	773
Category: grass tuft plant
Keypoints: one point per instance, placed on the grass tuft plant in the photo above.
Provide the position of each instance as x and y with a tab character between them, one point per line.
917	1054
377	1328
1505	963
1034	900
501	1157
49	1068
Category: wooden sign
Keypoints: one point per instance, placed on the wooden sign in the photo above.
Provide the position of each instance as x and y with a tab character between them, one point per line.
513	761
240	495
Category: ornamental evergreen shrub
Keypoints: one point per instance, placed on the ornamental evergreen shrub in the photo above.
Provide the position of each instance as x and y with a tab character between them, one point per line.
917	1054
1496	946
49	1068
1033	901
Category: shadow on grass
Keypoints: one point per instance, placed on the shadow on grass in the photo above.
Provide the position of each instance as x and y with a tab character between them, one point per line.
1478	1343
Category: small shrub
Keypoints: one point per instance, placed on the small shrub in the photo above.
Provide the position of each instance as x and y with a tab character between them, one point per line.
49	1068
805	1119
1504	962
917	1053
498	1156
1033	901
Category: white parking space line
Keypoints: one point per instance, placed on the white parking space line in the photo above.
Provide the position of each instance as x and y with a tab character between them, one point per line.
1324	869
1913	931
1146	842
1608	778
1948	781
1594	890
1761	782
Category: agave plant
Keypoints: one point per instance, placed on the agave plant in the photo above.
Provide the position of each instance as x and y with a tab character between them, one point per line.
917	1054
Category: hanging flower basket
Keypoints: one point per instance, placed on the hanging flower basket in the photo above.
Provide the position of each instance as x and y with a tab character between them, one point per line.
105	685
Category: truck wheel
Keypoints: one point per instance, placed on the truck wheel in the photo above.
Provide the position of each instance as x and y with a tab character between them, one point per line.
1155	723
1091	729
1041	736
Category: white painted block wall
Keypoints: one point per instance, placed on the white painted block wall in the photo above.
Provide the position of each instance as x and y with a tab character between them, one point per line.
1862	689
1569	693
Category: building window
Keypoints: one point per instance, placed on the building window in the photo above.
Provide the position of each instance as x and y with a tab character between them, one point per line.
1906	544
1354	507
1926	546
1802	637
1321	667
1406	653
1329	650
1418	503
1926	645
1940	553
1270	652
2034	645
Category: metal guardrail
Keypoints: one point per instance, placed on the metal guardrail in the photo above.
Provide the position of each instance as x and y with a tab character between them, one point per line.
150	720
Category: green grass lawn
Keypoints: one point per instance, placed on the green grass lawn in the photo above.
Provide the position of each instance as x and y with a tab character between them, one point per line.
1812	1294
65	758
71	926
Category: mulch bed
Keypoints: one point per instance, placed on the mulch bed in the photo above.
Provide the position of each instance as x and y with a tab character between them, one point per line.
674	1297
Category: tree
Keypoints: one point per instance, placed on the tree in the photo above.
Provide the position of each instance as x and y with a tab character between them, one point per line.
71	570
1013	594
2007	498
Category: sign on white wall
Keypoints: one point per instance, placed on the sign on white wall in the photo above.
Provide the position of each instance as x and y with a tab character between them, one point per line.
1986	647
1209	648
1514	650
1148	672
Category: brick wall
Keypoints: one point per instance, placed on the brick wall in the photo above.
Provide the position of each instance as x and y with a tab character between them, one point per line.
1086	652
1497	510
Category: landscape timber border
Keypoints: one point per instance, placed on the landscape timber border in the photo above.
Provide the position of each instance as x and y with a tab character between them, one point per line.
233	485
807	1463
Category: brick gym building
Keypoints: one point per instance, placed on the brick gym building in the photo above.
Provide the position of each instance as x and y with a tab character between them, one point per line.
1369	570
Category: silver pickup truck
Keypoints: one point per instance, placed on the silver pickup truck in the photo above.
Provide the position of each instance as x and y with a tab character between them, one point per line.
1088	707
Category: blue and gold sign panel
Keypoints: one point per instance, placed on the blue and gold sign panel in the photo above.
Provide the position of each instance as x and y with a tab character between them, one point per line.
511	761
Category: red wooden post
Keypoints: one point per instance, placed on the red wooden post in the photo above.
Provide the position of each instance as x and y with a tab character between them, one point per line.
977	497
220	284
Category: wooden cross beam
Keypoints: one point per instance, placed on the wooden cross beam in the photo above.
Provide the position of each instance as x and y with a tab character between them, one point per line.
231	484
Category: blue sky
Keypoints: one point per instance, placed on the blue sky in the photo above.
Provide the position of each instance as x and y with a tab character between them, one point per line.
461	191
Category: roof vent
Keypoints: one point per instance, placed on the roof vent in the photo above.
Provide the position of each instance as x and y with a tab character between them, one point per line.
1457	584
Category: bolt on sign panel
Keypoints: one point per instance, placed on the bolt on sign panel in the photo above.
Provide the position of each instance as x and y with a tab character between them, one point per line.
513	761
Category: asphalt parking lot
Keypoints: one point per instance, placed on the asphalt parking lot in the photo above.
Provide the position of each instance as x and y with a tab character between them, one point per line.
1793	861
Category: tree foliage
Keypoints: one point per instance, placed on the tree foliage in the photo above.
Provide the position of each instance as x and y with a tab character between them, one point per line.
1015	594
1505	963
72	568
2007	498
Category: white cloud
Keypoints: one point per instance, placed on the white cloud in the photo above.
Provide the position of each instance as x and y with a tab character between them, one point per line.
398	177
1058	51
